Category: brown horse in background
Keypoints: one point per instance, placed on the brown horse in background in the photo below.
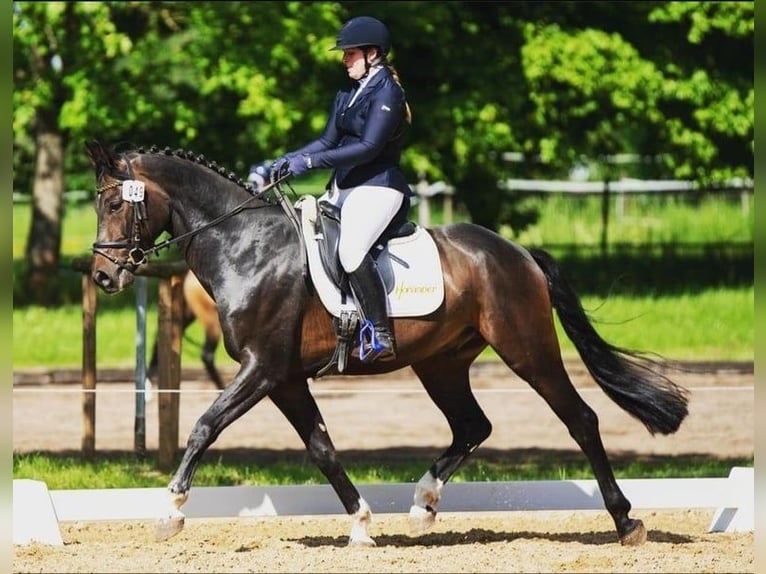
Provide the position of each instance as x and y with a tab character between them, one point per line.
244	248
200	306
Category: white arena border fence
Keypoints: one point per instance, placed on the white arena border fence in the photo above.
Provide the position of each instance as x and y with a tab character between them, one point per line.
38	512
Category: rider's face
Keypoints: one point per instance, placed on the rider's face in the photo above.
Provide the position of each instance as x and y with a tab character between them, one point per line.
353	59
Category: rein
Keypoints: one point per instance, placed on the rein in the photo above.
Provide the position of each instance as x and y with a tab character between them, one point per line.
138	256
289	210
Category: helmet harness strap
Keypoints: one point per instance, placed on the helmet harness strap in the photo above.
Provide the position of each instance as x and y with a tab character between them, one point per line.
379	59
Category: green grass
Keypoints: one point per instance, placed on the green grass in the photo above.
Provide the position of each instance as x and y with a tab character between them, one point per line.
125	470
643	219
715	323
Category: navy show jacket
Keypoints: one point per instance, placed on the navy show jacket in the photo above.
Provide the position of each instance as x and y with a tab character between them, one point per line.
363	143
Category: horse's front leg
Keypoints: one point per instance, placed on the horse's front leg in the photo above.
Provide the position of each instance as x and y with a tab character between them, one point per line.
298	405
244	392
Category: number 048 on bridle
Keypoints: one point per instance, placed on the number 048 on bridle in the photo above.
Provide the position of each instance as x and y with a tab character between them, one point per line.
248	255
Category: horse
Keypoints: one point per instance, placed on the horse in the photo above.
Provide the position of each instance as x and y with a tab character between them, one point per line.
246	250
200	306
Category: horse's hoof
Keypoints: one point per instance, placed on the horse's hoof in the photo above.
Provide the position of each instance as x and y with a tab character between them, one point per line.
168	527
364	542
635	537
421	519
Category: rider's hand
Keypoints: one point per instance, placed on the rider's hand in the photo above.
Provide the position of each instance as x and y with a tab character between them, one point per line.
279	168
299	164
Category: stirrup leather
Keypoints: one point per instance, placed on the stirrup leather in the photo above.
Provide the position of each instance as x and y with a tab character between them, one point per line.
345	326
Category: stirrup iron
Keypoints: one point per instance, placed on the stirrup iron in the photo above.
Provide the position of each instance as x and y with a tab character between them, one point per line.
369	344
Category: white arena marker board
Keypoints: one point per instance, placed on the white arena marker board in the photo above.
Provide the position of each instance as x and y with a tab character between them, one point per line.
740	516
34	516
731	498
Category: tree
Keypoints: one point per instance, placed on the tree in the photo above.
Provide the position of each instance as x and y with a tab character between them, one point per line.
596	93
561	81
197	75
707	97
57	46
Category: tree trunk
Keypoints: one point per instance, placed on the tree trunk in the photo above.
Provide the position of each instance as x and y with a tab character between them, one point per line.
44	242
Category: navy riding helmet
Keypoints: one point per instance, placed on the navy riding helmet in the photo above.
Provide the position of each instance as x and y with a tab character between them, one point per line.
363	31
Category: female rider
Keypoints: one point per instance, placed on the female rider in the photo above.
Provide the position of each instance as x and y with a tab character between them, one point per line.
362	143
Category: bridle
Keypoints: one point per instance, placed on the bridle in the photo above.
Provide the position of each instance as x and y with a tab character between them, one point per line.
136	254
135	195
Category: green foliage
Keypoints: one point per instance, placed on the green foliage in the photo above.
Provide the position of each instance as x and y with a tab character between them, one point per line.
194	75
594	93
64	54
734	19
708	104
241	81
589	89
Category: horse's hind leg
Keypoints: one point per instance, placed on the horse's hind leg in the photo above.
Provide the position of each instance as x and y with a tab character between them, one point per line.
582	423
212	337
152	369
447	383
204	308
534	355
300	408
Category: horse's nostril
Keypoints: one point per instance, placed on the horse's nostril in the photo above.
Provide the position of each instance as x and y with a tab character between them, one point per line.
102	279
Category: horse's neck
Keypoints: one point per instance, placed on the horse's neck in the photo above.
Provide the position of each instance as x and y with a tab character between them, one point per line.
228	241
193	207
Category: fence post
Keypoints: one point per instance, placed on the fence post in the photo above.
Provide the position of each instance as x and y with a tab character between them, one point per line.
425	191
605	218
448	207
744	198
139	426
170	311
424	211
171	329
89	307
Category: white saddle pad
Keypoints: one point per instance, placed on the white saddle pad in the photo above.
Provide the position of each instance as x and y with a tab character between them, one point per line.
418	287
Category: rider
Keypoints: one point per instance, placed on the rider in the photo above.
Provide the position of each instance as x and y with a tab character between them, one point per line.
362	142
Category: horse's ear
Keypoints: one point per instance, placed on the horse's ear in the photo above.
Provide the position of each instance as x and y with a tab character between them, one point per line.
94	149
100	155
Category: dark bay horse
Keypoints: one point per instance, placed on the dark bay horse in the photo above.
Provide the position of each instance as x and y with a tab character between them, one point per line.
246	252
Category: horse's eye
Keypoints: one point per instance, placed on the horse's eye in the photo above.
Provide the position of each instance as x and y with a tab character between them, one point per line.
115	206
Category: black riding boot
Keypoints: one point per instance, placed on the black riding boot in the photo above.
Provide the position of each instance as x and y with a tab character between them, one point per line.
370	294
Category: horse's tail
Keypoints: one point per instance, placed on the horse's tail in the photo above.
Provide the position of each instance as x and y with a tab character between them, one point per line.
630	379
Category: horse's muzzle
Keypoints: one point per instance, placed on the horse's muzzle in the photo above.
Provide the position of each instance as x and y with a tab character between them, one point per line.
112	280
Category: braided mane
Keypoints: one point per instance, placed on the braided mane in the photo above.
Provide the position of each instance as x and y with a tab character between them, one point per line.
203	161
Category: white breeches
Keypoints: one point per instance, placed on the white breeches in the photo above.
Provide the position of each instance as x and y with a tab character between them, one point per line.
365	212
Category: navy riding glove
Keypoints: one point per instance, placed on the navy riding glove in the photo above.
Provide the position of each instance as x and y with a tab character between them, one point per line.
299	164
279	168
